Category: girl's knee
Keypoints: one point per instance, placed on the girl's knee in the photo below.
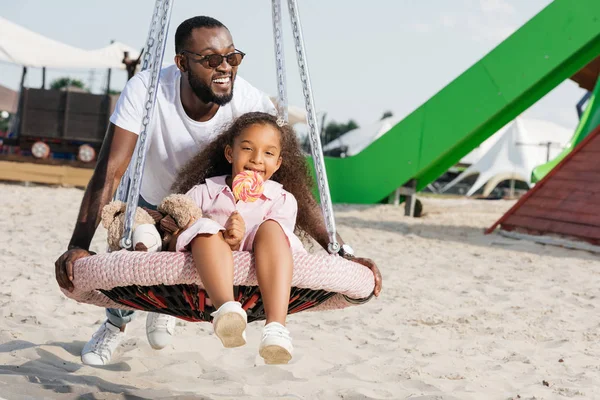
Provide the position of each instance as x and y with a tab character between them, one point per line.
206	239
270	232
269	227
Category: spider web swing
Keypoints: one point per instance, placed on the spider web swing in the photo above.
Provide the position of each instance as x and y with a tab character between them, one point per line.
167	282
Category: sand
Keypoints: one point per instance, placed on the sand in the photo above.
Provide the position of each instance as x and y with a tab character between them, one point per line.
461	316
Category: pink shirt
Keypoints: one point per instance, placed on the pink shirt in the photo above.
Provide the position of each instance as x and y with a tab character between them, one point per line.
217	202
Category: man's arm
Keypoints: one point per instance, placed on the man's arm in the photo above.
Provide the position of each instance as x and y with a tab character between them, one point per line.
112	163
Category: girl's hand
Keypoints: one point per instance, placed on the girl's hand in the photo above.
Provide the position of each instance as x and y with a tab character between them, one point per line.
235	228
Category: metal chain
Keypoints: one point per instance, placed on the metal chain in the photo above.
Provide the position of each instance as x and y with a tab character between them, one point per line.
282	101
147	56
315	140
125	179
153	59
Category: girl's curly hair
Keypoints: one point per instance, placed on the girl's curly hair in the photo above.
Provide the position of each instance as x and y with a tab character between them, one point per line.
293	173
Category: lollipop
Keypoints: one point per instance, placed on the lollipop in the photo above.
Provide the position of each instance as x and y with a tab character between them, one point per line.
247	186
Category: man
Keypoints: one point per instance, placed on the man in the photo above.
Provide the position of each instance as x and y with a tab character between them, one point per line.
131	64
196	98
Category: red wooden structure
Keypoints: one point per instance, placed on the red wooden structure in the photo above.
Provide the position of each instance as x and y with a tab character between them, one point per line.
588	75
566	202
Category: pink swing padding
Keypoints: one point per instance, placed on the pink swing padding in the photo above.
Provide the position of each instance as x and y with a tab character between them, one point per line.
349	280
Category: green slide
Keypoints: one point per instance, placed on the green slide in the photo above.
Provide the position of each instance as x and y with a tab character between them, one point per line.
548	49
590	119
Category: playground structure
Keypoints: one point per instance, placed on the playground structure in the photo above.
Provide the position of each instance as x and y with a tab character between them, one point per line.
62	122
551	47
564	203
58	135
58	124
589	120
562	209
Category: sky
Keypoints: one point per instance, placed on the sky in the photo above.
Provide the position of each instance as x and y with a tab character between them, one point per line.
365	57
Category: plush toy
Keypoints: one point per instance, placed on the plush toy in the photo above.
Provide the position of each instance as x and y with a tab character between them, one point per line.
153	230
177	212
113	219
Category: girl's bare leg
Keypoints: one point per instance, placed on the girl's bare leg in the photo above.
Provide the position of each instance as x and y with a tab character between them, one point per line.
214	262
274	265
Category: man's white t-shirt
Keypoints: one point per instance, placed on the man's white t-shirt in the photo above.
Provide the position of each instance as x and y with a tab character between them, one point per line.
174	137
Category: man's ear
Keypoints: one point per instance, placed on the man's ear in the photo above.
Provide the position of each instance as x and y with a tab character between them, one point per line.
181	64
229	153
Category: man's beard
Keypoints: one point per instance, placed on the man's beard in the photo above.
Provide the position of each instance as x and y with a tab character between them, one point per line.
205	93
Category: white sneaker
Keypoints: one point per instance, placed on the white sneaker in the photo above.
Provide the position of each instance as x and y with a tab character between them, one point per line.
160	329
100	348
229	323
276	344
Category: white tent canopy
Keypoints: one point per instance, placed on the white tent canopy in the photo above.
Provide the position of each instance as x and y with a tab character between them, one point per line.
24	47
114	52
477	152
358	139
513	152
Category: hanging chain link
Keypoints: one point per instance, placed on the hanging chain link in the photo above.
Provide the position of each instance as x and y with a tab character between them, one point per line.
153	58
315	139
282	101
125	179
156	16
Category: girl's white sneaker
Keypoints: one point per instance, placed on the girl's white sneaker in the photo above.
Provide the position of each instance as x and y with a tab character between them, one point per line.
229	323
276	344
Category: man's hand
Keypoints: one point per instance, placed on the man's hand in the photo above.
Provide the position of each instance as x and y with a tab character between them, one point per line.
367	262
235	228
64	267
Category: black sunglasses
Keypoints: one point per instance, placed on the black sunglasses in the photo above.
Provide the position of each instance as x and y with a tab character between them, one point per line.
214	60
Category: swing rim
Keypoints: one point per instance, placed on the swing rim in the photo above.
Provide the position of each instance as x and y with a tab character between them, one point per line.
335	281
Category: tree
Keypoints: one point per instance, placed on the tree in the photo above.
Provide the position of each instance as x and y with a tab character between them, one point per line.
387	114
4	121
64	82
334	130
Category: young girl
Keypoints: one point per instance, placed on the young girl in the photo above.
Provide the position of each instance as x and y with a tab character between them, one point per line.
255	142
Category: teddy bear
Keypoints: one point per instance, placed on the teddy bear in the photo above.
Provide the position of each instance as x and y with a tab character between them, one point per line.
113	220
153	230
